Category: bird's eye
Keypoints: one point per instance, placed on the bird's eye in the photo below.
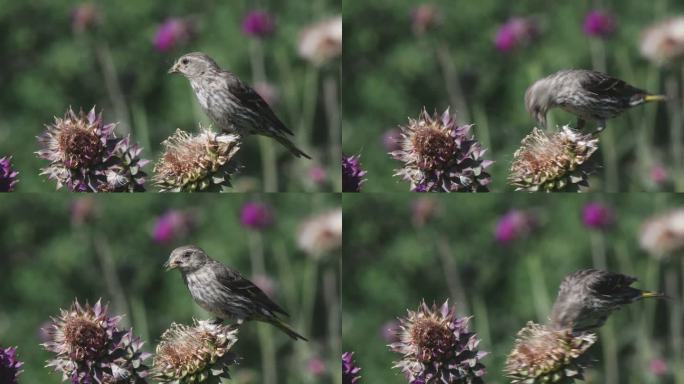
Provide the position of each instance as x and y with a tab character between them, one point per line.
186	255
184	61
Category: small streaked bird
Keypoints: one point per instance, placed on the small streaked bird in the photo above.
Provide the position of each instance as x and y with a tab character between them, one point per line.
588	296
589	95
231	104
223	292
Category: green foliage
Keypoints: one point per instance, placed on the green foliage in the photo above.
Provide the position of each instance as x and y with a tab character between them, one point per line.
48	260
390	74
47	67
391	264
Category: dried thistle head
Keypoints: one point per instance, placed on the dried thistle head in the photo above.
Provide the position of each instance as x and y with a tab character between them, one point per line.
436	345
553	162
195	354
86	156
89	346
196	163
440	156
545	355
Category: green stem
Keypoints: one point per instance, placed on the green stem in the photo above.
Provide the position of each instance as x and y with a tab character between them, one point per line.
482	128
542	302
309	100
268	358
672	288
452	82
331	294
332	109
116	96
610	354
598	249
114	286
452	277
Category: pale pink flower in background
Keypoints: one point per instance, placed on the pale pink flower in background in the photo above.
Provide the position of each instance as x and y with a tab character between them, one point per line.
322	41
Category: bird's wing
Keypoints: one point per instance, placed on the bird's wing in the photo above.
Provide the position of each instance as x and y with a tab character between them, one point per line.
240	285
605	85
612	283
255	102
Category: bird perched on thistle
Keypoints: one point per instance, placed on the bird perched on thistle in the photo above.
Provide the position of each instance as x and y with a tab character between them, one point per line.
588	296
223	292
232	105
589	95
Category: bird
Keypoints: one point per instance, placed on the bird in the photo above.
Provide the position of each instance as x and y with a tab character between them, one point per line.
588	296
589	95
230	103
225	293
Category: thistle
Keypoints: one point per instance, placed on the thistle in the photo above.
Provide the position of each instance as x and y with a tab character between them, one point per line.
545	355
350	372
86	156
90	347
352	174
8	176
200	163
553	162
437	347
440	156
10	366
195	354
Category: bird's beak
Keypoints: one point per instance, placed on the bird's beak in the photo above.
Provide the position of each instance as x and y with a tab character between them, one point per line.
645	294
169	265
174	69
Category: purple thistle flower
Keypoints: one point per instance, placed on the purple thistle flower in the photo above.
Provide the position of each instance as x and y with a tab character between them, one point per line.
597	216
10	366
514	225
599	24
90	348
350	372
86	156
255	215
172	225
258	23
441	156
515	33
437	346
8	176
352	174
172	33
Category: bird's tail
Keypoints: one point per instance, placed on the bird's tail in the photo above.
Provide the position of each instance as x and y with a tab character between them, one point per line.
287	329
291	146
650	98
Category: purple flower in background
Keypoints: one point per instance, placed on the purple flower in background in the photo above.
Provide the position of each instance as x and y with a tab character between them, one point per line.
258	23
316	366
170	226
317	174
599	23
514	225
10	367
424	17
515	33
265	283
391	139
352	174
390	331
8	176
659	174
350	372
171	33
597	216
256	215
84	17
658	366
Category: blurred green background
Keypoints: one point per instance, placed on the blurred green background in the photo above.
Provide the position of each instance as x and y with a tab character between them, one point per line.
391	73
394	257
54	249
47	66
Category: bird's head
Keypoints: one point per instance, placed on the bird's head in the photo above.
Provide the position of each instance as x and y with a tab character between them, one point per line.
194	65
187	258
538	101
